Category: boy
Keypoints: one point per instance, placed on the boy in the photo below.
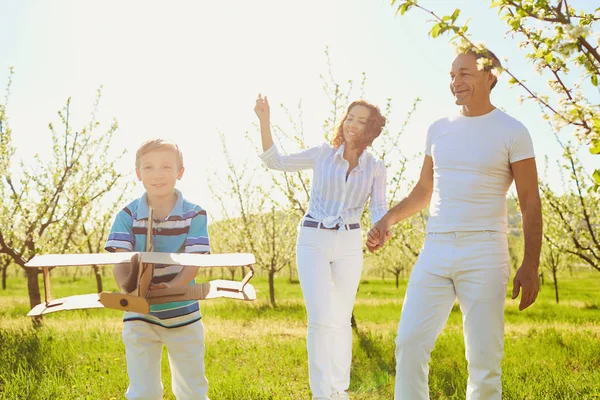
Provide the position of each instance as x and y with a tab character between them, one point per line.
179	226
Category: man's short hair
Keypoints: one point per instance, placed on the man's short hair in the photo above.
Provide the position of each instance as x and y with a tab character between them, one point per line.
484	52
158	145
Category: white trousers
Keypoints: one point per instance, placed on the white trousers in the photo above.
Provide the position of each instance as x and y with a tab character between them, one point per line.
470	266
143	349
329	268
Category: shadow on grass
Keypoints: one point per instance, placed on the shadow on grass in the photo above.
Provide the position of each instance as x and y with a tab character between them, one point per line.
373	365
283	310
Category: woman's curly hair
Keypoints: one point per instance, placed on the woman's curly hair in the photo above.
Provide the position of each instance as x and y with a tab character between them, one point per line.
374	126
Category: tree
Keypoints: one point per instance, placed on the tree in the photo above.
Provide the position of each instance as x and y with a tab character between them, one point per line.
44	205
552	261
561	43
5	261
572	219
254	225
94	229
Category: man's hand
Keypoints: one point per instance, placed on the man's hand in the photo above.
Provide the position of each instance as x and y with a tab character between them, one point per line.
527	279
378	235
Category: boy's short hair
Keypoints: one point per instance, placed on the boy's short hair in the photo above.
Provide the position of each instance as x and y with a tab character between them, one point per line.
158	144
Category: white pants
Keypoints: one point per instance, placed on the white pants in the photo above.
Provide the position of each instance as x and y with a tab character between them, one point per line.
329	268
470	266
143	349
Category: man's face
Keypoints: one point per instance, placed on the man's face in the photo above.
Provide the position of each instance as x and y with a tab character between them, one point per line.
159	171
468	84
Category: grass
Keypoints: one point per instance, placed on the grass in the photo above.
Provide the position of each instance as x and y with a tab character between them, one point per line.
256	351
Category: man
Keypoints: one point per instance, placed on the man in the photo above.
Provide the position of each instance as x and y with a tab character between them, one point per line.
470	162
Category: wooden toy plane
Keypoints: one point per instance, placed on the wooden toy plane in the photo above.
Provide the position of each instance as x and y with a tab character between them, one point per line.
136	294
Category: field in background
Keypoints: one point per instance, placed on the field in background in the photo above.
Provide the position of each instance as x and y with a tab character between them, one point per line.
255	351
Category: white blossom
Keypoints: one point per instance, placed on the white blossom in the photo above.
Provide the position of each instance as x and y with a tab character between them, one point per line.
575	32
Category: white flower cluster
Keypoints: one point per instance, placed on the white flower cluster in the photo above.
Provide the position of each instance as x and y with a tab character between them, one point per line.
575	32
483	63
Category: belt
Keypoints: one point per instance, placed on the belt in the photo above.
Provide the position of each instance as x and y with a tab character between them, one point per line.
319	225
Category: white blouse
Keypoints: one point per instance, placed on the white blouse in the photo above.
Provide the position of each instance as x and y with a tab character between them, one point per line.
333	199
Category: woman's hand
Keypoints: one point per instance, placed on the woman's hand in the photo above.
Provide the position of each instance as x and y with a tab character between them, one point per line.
378	235
262	109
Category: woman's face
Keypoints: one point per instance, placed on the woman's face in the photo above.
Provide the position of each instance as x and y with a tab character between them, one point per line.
356	123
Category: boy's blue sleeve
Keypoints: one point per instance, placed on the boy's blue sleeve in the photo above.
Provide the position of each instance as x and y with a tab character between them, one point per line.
121	233
197	237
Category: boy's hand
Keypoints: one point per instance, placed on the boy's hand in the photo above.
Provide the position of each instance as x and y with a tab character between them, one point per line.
158	286
262	109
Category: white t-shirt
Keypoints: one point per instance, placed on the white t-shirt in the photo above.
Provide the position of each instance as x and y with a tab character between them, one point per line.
471	170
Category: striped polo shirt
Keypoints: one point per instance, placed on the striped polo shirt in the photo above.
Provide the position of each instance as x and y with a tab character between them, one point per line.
183	231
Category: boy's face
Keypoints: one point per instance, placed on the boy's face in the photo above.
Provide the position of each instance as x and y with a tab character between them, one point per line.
159	171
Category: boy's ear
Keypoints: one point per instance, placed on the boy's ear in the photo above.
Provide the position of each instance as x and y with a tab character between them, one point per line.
180	174
137	172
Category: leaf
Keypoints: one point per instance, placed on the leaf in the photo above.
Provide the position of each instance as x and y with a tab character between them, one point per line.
404	7
595	149
596	176
435	31
455	14
594	79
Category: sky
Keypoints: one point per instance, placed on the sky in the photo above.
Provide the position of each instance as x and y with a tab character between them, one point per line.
187	70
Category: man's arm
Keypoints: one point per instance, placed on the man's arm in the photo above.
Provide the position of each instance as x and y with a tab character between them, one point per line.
526	278
417	200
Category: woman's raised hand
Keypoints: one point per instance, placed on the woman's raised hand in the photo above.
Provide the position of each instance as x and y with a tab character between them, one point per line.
262	109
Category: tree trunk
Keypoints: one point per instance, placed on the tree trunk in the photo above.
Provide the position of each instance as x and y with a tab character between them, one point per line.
4	275
397	278
33	287
272	287
98	278
555	284
232	270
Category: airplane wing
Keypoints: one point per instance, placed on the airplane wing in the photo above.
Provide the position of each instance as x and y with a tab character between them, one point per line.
71	260
67	303
199	260
185	259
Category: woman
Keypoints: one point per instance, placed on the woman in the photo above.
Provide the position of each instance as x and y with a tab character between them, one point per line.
329	248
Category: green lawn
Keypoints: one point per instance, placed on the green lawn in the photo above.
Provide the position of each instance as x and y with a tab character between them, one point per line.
255	351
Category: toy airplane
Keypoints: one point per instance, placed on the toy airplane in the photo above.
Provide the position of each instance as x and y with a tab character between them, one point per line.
136	295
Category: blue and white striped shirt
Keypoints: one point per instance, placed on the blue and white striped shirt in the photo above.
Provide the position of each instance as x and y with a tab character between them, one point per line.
183	231
333	199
